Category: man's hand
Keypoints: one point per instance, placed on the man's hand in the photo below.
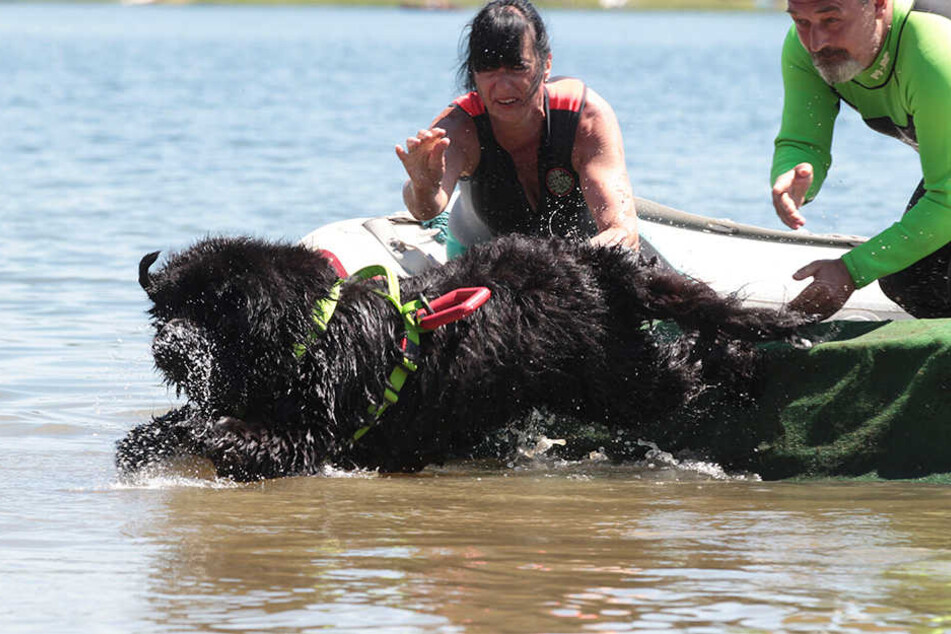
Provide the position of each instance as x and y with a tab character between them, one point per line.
831	287
789	192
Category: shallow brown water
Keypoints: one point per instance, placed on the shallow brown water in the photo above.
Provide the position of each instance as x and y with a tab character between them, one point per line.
584	549
475	547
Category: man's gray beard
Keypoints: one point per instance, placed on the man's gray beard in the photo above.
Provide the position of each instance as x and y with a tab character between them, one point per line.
838	72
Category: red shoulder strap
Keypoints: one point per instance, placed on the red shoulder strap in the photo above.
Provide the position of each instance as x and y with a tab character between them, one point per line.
471	103
566	94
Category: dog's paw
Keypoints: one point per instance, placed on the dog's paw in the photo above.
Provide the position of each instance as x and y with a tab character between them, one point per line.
153	443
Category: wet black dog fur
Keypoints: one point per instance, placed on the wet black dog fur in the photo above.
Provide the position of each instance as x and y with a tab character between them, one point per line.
568	329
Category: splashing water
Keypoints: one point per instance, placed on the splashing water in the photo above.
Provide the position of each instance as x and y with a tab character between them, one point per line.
660	460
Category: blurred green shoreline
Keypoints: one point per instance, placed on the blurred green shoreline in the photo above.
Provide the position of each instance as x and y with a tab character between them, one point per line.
469	5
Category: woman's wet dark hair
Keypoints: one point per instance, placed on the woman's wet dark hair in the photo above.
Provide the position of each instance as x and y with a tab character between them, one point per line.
494	39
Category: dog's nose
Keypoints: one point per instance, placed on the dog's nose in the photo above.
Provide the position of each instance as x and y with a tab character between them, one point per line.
176	344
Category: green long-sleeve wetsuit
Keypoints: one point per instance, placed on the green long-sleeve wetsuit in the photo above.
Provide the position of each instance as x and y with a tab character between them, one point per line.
905	93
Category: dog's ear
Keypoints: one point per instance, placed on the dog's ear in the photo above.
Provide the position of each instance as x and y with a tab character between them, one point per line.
145	280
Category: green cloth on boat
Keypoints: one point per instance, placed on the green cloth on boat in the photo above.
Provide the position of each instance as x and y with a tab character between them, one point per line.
876	403
871	401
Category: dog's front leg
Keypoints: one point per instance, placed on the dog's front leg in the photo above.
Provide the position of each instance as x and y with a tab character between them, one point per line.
168	436
246	450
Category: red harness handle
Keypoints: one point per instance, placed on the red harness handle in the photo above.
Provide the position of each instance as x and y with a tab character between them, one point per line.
453	306
334	262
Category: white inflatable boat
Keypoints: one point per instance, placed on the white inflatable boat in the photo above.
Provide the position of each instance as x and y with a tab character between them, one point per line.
754	262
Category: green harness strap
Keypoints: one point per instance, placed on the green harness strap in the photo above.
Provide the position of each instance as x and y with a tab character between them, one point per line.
324	310
321	314
402	370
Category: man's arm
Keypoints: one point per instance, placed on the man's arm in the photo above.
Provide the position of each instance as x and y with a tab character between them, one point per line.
926	227
598	157
810	108
801	161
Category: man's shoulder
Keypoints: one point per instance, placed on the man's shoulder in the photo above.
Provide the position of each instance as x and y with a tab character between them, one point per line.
924	53
937	8
928	34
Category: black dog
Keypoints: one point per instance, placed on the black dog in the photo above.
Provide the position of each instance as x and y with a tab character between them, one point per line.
568	328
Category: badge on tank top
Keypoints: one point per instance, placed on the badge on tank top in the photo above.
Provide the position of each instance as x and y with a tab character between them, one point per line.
559	181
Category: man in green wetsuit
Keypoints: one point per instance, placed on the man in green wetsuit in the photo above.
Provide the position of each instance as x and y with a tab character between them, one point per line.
891	61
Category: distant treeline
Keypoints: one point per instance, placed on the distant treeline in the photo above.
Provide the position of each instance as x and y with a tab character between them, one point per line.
434	5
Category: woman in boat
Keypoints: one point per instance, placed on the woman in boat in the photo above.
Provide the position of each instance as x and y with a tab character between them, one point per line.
532	154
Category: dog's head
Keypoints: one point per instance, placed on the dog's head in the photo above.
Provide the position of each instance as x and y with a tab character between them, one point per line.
227	314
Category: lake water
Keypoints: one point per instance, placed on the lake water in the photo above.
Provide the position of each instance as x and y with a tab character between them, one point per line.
129	129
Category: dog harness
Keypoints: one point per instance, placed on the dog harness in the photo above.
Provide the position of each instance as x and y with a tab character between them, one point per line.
419	316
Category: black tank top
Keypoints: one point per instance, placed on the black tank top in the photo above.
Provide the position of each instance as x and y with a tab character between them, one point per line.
497	195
